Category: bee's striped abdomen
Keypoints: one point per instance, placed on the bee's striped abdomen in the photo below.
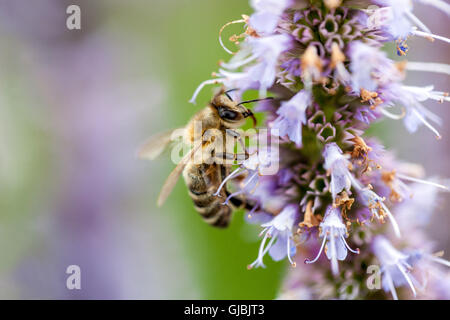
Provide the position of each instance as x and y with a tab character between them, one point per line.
203	181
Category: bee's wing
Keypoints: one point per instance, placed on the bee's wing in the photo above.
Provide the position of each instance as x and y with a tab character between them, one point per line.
155	145
173	176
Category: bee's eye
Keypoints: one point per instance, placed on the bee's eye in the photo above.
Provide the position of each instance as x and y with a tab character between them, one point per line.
227	114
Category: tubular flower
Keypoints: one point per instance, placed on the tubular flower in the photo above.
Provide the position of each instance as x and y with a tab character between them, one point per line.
333	231
334	186
292	116
338	168
279	230
395	268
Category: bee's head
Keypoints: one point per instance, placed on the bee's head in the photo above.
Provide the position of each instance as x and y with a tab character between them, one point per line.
232	114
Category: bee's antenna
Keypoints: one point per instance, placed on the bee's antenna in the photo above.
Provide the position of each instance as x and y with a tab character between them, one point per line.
250	114
228	91
255	100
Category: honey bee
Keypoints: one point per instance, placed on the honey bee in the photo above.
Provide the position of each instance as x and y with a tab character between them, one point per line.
219	118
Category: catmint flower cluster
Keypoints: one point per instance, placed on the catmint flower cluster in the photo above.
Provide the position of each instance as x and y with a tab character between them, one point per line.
345	213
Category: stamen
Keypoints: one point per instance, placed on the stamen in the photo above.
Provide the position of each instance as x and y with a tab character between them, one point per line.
238	64
439	96
262	252
263	231
249	215
231	175
408	279
430	94
391	217
254	188
293	264
408	266
204	83
427	124
348	247
437	185
307	261
220	34
429	67
393	116
374	200
428	114
391	285
355	182
255	174
252	177
258	261
405	187
430	36
439	260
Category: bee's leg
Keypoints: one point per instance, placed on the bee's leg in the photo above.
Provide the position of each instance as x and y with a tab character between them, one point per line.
237	135
213	140
223	156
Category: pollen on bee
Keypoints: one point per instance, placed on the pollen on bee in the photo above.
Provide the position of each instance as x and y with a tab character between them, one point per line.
402	47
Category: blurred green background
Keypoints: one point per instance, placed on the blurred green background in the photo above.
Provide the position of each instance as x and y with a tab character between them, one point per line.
75	105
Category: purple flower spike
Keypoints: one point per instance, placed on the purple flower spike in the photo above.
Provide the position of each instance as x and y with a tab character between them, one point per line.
330	79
